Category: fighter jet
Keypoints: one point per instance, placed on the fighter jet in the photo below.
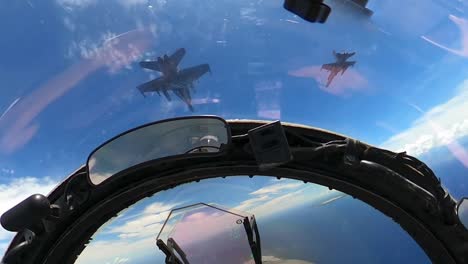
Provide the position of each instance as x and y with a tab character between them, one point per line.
180	82
340	65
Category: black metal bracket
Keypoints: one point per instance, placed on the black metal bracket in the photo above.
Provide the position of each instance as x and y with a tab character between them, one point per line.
352	152
168	250
77	191
270	145
14	255
28	214
309	10
253	243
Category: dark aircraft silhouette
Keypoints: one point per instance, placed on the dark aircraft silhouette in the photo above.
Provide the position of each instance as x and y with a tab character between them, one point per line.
340	65
178	81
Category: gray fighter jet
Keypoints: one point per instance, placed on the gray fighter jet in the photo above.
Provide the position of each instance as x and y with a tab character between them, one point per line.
340	65
180	82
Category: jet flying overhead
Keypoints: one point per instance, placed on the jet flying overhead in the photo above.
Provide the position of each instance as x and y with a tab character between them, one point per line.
180	82
341	64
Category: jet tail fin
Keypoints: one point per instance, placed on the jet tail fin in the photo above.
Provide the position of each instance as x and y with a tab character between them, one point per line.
141	91
191	108
335	54
166	94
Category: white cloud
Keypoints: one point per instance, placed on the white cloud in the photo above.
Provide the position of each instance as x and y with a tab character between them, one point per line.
111	50
6	171
70	4
245	205
134	236
284	195
158	208
276	260
14	192
118	260
69	24
158	4
278	187
113	252
290	200
440	126
148	223
249	14
85	48
129	3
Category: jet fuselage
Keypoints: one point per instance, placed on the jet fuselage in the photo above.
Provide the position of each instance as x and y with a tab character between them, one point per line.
168	69
340	65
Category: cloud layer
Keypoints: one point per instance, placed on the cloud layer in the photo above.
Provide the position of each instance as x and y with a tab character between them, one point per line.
441	126
284	195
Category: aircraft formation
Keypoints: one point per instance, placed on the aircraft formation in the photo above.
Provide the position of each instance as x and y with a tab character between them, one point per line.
181	81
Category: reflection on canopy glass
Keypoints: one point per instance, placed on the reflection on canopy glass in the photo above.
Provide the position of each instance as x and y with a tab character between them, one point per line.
156	141
207	234
463	212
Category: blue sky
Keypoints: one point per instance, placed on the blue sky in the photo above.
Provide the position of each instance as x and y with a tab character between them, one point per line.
69	70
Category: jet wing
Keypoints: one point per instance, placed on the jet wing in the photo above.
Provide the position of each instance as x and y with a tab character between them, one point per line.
343	56
193	73
329	66
151	65
346	65
184	95
349	63
155	85
177	56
